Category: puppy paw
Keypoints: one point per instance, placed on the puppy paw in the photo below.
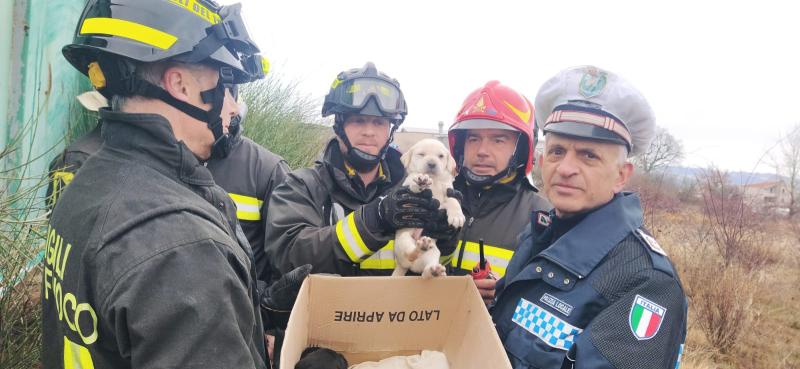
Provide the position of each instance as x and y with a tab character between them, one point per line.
425	243
420	182
434	270
456	220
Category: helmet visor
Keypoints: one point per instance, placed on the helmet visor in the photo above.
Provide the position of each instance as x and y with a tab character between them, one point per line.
355	94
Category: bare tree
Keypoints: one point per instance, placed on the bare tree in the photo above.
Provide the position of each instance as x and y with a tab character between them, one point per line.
788	165
665	150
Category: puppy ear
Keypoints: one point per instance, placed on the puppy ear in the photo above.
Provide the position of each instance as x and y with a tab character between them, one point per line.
451	165
406	158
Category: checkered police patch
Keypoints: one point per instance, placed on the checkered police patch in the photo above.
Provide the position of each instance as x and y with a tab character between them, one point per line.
550	329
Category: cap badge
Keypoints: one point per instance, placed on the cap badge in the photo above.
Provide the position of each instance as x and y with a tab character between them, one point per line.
479	106
592	83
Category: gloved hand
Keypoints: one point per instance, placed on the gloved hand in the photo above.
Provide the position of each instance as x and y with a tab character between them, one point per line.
438	227
278	299
456	194
280	295
400	208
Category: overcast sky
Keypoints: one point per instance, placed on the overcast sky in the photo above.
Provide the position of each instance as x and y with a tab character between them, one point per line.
723	77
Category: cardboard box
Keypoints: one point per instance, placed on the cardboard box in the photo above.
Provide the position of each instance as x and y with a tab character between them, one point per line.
372	318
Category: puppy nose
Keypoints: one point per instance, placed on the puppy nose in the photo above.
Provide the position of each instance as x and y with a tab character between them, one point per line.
431	165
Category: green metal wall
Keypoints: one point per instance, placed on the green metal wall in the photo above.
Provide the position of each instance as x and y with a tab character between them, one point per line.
37	86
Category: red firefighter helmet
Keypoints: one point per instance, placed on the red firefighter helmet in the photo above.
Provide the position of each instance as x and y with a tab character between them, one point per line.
496	106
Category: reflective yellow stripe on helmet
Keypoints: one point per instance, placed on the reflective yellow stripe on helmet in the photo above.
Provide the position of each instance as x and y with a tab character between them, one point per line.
350	240
498	257
131	30
383	259
247	208
198	10
76	356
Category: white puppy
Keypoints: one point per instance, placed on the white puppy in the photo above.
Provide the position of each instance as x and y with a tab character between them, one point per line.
428	165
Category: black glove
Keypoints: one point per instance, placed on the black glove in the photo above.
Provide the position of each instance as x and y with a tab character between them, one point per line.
438	228
280	295
277	299
400	208
456	194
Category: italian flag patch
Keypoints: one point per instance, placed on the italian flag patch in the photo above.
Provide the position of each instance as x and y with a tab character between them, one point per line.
645	318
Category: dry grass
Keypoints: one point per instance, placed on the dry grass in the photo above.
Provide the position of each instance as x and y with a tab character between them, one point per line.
739	316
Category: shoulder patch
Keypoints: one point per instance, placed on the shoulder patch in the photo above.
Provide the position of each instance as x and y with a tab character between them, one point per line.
651	242
645	318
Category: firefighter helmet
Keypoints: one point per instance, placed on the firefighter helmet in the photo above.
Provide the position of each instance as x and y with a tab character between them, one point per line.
499	107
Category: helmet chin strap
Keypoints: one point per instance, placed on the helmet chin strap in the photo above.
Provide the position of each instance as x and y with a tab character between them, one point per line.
214	96
360	160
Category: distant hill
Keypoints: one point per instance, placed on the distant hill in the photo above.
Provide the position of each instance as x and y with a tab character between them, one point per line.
682	174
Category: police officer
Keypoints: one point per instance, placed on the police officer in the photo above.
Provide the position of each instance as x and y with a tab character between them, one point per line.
588	287
340	214
492	140
145	263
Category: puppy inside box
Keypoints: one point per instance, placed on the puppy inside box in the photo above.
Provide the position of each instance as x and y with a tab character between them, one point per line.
323	358
374	318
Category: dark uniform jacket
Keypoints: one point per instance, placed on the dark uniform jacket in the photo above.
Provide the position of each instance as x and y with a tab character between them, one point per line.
596	289
145	266
315	218
249	174
65	165
497	214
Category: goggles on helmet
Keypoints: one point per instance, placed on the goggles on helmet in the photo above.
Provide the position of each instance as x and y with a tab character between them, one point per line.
355	94
231	33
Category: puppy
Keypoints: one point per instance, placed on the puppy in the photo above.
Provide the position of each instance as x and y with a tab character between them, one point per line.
321	358
428	165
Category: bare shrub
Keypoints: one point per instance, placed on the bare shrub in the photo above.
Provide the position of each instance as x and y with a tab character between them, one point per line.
658	195
722	300
733	225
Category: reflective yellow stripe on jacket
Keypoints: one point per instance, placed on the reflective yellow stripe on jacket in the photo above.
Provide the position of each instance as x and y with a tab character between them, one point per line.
350	240
60	180
76	356
355	248
383	259
498	257
247	208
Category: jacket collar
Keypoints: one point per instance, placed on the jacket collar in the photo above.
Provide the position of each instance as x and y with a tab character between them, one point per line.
149	139
480	201
581	248
391	168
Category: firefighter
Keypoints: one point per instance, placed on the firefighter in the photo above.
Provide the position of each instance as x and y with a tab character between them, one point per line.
493	140
340	214
588	286
145	264
243	168
249	173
